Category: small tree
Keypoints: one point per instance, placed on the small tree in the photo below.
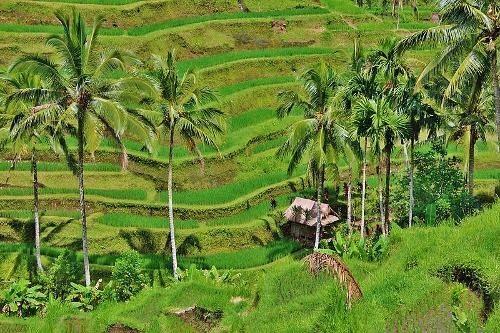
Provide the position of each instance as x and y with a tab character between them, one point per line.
127	277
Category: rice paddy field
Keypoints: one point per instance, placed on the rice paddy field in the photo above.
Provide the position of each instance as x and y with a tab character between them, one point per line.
223	214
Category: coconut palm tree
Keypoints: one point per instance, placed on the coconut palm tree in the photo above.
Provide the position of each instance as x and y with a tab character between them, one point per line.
24	137
468	33
183	110
471	117
319	137
78	90
384	126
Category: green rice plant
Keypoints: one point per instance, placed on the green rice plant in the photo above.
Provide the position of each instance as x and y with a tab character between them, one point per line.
235	88
138	221
270	144
232	191
57	166
346	7
129	194
26	214
487	174
145	29
50	29
245	258
224	58
96	2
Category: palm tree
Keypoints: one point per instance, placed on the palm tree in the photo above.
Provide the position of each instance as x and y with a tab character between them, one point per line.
362	84
15	114
471	119
384	126
181	108
319	136
469	34
79	91
421	115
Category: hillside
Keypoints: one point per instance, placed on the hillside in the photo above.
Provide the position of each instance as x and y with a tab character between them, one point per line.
223	213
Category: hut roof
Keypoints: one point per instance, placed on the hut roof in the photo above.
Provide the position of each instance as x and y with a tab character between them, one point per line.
328	216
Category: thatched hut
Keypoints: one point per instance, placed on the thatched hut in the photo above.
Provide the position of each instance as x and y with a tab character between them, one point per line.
301	217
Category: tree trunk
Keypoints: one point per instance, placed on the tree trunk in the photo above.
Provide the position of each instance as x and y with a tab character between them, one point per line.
363	193
81	186
472	142
35	211
412	199
380	196
170	202
349	201
399	13
405	154
496	90
124	157
318	209
387	190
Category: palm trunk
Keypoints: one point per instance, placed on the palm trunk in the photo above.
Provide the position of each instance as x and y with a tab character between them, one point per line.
318	211
405	153
170	203
124	157
399	14
349	201
363	193
412	199
35	211
472	143
380	196
496	90
81	186
387	191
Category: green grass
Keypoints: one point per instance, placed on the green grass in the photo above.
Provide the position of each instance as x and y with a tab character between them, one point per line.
55	166
224	58
238	87
230	192
95	2
145	29
27	214
241	259
138	221
129	194
50	29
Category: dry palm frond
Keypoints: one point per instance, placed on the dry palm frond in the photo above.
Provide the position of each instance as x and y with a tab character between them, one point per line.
318	262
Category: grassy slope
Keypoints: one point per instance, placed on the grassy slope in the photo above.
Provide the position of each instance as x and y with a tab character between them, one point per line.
402	289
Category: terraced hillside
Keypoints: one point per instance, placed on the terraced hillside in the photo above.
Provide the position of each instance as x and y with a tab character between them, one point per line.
223	206
223	212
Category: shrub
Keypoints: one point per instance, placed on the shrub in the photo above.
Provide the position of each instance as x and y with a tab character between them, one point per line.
438	190
84	298
22	299
127	276
63	272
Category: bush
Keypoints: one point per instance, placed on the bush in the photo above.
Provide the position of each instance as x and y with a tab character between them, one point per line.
22	299
438	190
84	298
63	272
127	277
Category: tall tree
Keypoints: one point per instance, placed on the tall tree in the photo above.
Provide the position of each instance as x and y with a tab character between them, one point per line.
318	137
421	115
468	33
471	116
24	138
384	126
184	111
79	90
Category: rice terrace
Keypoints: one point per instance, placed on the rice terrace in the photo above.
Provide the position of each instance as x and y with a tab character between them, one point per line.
249	166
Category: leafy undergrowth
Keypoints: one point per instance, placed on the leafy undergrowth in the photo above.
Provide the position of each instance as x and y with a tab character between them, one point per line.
409	290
